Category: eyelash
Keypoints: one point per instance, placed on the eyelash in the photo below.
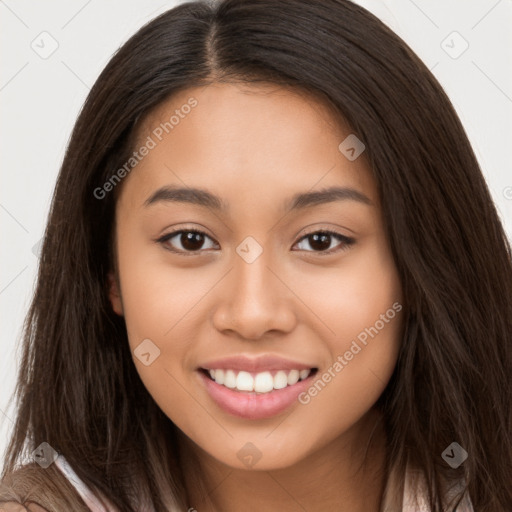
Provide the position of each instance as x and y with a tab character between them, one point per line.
346	241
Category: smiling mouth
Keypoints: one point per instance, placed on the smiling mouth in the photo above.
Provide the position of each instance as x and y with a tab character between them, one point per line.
257	383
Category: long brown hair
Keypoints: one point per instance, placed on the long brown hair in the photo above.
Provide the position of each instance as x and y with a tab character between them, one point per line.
78	388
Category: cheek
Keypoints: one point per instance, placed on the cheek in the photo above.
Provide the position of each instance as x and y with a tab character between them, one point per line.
360	306
352	297
159	305
158	298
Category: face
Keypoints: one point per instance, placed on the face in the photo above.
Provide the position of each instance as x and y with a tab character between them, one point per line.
257	275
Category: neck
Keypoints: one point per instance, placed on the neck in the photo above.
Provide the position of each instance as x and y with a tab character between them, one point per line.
346	474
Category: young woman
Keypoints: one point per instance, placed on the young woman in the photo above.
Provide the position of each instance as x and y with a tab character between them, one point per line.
273	278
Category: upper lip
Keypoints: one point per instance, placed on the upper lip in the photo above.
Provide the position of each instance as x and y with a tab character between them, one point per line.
255	364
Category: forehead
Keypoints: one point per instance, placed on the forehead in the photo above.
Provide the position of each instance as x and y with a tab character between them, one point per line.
243	138
232	101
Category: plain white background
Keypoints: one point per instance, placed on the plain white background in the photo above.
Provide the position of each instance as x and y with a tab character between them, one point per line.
467	44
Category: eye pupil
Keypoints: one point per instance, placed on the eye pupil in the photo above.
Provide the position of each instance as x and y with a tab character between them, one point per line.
192	241
189	238
319	241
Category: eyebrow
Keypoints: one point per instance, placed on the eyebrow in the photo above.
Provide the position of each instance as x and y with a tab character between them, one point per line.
202	197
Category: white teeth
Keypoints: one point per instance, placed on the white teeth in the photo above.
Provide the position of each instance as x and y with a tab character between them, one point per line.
219	376
280	380
303	374
229	379
293	377
262	382
244	382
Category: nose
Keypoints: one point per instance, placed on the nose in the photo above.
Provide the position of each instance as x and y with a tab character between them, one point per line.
254	300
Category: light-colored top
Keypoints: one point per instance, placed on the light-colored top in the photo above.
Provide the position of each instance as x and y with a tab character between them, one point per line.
413	497
85	493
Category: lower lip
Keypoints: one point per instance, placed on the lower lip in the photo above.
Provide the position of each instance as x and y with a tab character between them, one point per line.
250	405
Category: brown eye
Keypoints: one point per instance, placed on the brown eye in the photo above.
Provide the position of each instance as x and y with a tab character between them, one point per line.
321	241
185	241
